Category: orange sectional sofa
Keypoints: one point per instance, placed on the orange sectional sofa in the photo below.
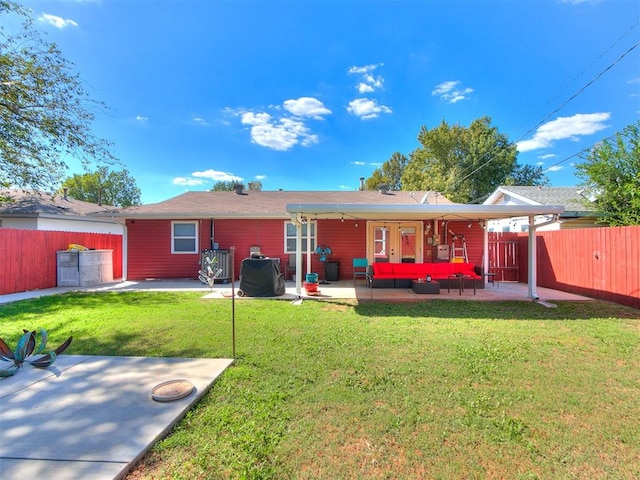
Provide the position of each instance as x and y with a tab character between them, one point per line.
400	275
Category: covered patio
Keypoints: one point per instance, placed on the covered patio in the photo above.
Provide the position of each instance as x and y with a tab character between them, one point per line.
301	214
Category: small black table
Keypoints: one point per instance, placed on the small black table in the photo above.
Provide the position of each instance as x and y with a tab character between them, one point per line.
460	277
420	286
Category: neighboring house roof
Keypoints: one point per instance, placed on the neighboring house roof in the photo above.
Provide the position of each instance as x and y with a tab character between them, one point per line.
29	203
574	204
268	204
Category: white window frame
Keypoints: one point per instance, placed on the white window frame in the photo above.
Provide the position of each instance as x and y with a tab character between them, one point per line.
313	237
174	237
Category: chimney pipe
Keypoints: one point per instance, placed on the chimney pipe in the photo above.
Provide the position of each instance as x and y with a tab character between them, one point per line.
361	183
237	188
65	191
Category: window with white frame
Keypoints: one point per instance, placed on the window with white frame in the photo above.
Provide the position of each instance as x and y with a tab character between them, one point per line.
290	236
184	237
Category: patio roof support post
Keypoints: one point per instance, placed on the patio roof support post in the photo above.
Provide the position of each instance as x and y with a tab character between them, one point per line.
297	221
308	245
485	248
532	273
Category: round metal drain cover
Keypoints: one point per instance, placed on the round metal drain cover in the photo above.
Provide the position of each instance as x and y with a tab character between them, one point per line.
172	390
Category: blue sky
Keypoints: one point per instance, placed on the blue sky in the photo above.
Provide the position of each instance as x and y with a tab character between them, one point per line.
313	95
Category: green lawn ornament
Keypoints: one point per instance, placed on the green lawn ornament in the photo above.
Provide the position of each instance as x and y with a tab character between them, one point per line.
26	348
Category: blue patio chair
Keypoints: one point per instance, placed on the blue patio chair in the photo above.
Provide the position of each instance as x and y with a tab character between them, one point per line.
360	269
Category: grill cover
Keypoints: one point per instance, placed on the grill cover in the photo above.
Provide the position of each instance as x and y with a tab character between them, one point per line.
261	277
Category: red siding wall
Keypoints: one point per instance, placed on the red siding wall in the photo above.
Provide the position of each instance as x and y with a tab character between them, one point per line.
345	240
29	260
149	250
149	243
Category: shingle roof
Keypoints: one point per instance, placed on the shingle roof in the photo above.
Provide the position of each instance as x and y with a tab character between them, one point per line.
267	204
33	203
569	197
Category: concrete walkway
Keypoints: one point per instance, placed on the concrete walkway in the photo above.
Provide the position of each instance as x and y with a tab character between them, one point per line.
92	418
343	289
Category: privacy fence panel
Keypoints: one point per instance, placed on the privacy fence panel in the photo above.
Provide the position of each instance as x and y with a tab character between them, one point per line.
596	262
28	258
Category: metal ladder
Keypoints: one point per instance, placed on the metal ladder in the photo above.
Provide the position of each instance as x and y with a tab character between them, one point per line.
458	252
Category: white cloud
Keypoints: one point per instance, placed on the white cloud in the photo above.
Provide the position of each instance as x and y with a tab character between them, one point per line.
217	176
200	121
188	181
57	22
555	168
283	132
449	91
546	155
368	82
366	108
306	107
260	177
563	128
280	134
362	70
205	177
141	118
364	88
358	163
634	80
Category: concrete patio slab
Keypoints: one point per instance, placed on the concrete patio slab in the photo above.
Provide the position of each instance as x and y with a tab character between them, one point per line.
92	417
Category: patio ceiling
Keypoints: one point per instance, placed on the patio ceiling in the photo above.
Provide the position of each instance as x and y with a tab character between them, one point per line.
323	211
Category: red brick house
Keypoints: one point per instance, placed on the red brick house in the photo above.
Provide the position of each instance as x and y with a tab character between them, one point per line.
165	240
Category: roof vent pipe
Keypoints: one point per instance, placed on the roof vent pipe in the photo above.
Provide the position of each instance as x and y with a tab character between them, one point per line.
383	188
361	183
237	188
65	191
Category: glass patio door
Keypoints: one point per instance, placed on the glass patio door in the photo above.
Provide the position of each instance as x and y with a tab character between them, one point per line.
394	242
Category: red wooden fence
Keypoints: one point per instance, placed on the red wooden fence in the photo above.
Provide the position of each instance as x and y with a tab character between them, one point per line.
599	263
28	257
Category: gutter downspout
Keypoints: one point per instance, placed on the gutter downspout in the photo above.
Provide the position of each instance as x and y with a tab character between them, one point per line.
533	272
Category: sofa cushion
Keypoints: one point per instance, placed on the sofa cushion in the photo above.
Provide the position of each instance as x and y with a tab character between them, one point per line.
406	269
382	268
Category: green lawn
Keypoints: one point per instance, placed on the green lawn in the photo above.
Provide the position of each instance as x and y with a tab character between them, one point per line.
335	390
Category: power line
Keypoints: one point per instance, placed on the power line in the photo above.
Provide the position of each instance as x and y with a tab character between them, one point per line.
573	97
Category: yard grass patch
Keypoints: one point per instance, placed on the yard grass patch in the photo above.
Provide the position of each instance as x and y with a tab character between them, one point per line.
439	389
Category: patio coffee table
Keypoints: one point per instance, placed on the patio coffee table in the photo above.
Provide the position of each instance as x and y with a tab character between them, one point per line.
420	286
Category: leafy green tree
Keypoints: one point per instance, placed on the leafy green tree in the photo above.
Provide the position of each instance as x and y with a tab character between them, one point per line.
611	171
527	176
104	187
255	185
230	185
45	112
463	163
223	186
390	173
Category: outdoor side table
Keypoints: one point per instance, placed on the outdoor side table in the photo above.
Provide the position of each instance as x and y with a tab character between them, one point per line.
420	287
460	277
492	278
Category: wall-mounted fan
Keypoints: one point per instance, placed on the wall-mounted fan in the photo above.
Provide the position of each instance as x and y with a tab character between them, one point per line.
323	252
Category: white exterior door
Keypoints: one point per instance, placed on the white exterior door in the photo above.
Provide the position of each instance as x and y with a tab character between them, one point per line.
394	242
